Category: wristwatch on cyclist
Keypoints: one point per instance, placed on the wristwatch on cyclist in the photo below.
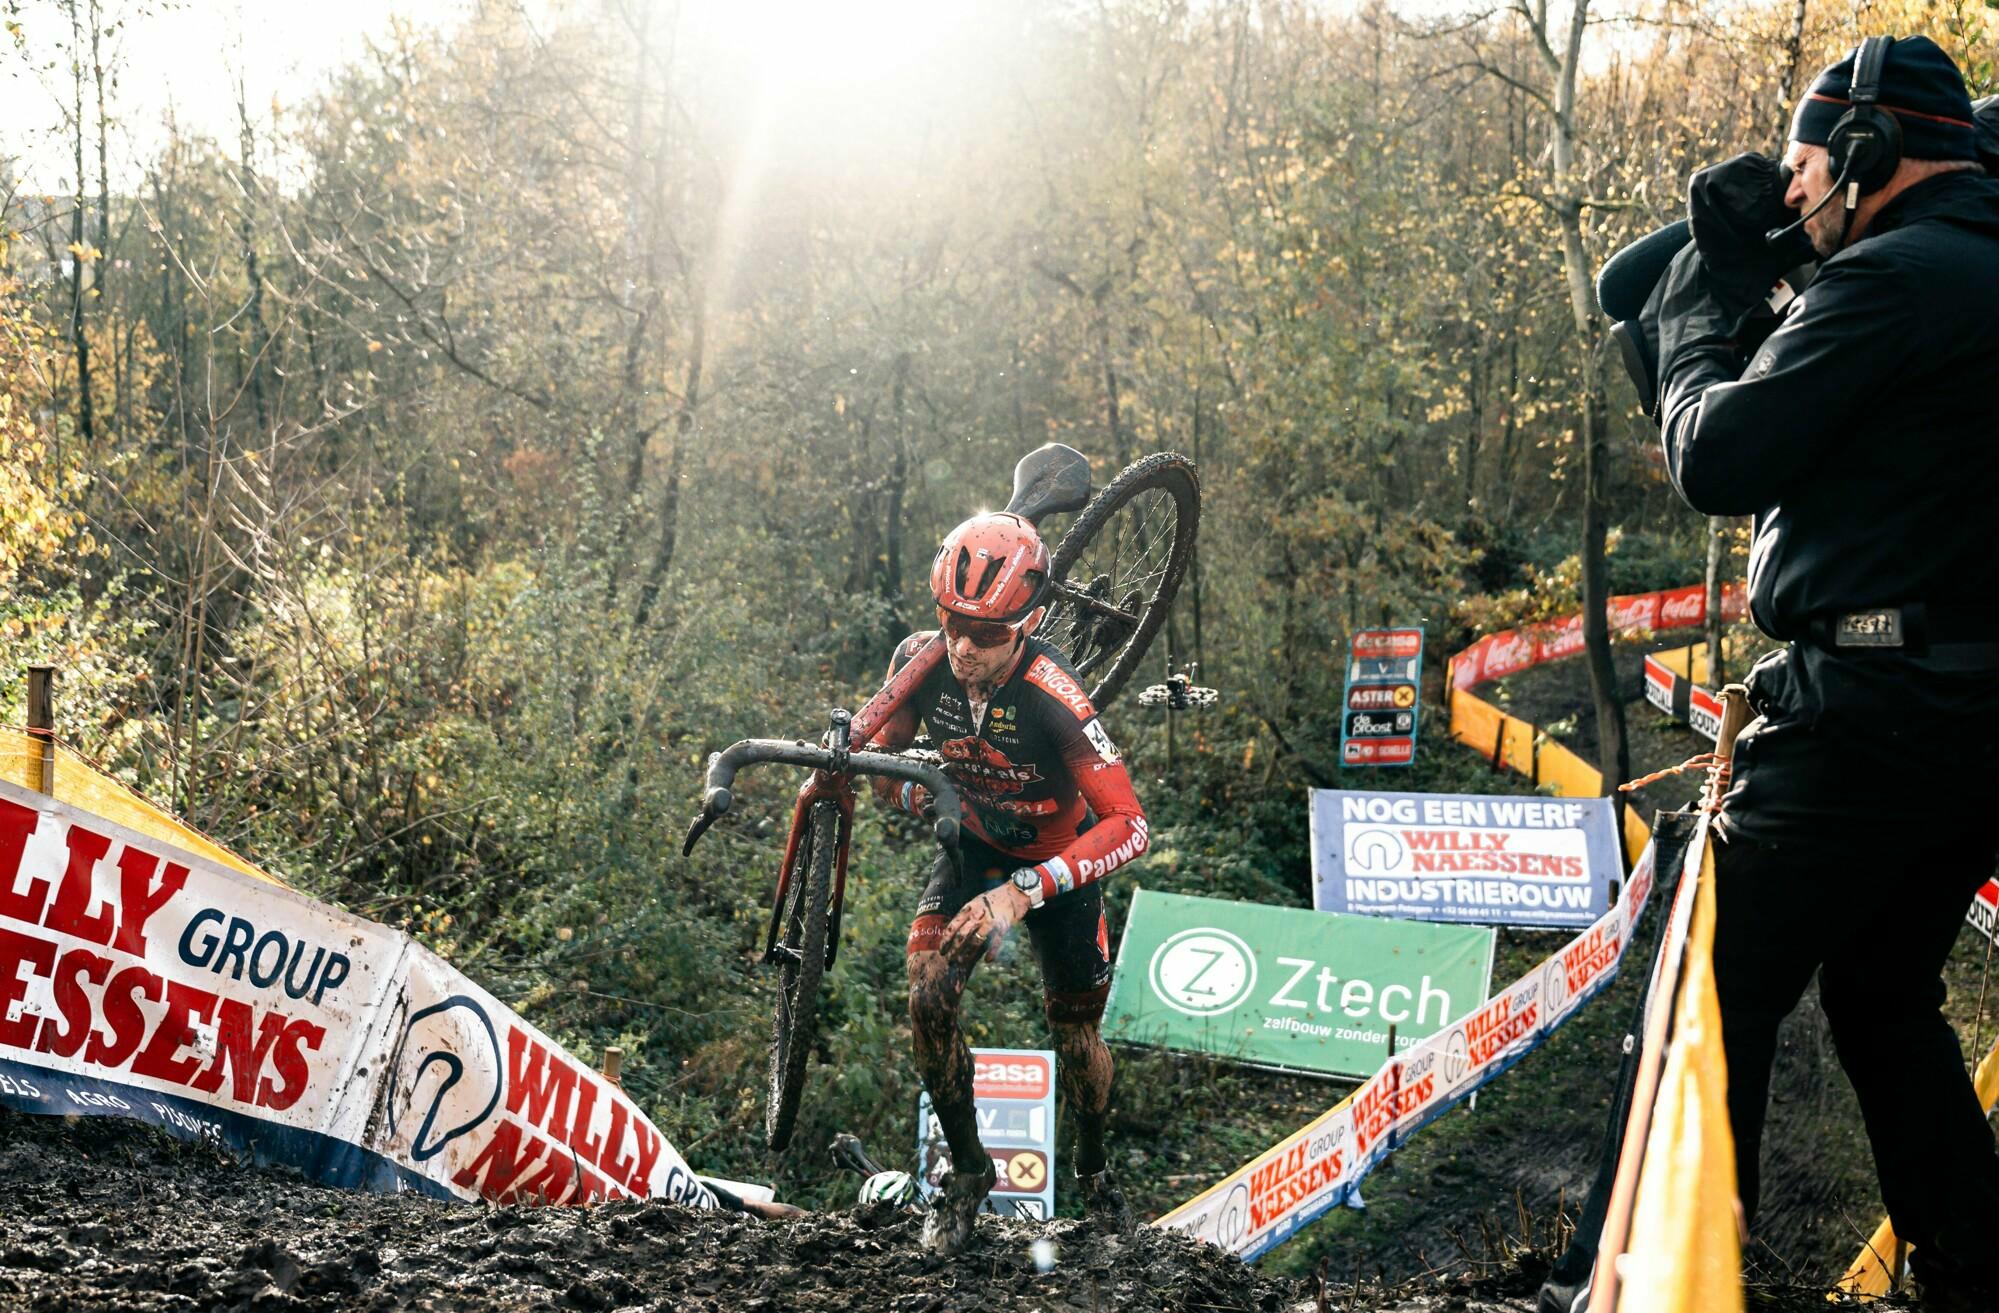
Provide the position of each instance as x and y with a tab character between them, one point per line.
1028	880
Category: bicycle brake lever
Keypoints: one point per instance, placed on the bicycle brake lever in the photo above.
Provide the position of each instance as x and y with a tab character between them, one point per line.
848	1153
697	828
713	805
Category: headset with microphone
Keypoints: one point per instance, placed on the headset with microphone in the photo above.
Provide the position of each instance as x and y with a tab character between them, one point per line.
1865	146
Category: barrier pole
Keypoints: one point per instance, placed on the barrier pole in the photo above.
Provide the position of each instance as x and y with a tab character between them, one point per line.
42	720
1658	1026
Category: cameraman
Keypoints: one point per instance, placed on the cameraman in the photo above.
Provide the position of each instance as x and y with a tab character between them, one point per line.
1862	433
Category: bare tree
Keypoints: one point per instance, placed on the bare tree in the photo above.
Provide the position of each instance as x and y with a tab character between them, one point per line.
1557	48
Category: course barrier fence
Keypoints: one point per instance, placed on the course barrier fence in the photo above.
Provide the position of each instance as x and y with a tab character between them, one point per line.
1671	1216
147	972
1269	1198
1511	651
1263	1202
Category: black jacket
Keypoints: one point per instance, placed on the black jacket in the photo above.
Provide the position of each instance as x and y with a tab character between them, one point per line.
1863	436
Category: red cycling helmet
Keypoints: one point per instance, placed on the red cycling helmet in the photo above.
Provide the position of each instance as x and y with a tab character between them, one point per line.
991	567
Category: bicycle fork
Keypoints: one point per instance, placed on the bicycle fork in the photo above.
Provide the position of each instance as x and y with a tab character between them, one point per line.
835	787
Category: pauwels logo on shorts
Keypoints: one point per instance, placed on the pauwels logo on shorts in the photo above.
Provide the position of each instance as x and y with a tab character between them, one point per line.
1044	674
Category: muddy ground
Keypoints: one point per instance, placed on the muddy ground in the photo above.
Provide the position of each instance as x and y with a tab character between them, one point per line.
99	1213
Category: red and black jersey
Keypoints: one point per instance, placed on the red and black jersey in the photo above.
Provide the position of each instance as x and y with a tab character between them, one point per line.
1041	778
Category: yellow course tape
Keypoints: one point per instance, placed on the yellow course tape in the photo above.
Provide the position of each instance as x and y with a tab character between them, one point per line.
1683	1253
82	785
1685	1249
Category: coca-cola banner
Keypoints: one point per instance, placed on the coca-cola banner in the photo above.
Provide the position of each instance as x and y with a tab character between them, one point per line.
1511	651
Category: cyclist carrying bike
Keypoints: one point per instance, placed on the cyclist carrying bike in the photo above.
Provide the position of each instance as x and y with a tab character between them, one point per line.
1049	811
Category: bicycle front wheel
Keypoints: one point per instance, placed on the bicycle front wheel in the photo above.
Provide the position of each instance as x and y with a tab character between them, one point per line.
801	955
1118	567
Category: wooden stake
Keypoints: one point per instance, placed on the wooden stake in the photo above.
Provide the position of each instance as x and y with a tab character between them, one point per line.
614	1062
1734	715
42	720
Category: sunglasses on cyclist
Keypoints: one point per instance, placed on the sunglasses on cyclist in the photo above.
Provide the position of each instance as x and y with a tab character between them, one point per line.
981	633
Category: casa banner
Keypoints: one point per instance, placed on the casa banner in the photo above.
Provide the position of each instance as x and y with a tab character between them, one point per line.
1013	1092
142	981
1481	860
1271	1197
1286	988
1513	650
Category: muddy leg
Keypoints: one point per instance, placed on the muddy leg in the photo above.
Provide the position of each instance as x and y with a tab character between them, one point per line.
1083	1069
936	985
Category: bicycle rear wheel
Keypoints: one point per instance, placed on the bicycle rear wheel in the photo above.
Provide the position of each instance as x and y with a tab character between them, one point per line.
802	960
1118	567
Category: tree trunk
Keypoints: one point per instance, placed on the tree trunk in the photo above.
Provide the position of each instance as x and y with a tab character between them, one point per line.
1119	446
683	432
1613	754
82	270
255	314
889	574
1787	91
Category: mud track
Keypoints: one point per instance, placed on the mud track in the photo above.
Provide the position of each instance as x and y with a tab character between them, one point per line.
99	1213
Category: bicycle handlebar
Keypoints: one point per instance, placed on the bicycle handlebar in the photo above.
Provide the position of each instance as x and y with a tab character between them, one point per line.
717	798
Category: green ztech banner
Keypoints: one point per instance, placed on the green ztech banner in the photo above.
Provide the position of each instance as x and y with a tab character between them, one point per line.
1289	988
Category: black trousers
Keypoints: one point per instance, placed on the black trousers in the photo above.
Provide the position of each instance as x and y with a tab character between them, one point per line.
1872	899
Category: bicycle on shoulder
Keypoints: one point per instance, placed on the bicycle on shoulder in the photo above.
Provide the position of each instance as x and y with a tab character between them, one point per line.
1113	577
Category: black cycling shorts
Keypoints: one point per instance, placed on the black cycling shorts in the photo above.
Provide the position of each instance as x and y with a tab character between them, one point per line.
1070	938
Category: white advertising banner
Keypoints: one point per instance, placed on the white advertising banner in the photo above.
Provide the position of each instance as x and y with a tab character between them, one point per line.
1267	1199
139	980
1485	860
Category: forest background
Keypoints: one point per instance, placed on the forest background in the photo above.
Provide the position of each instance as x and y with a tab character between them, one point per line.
415	485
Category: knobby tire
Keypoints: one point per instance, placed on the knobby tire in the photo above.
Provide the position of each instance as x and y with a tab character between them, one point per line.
1107	664
807	899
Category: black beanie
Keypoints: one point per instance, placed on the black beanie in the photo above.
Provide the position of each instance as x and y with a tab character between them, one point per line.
1920	86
